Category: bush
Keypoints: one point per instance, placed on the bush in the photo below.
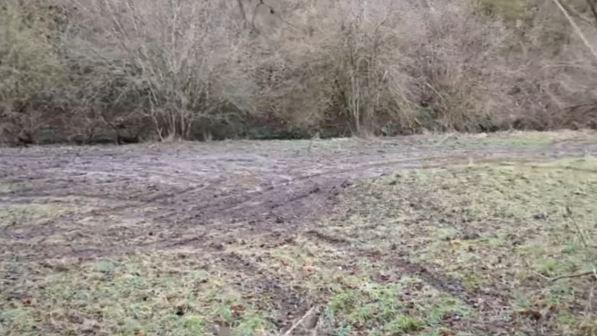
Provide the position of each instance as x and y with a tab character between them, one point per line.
383	67
129	70
553	72
168	61
30	69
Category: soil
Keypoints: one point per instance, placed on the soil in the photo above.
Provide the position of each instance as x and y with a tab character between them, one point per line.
165	190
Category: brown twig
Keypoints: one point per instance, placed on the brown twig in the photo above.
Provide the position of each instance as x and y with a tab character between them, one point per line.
578	275
299	322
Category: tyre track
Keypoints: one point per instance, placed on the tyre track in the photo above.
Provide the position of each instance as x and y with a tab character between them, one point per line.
198	187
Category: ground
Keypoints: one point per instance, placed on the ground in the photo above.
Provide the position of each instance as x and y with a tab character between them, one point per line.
424	235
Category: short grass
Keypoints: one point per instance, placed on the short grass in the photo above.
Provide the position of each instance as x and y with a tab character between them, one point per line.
460	250
5	188
26	215
506	229
138	295
509	141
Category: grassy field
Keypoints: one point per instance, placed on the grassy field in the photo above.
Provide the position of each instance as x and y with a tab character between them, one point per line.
500	248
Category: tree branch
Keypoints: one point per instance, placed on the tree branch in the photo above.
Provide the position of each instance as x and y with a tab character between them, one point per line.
576	13
593	6
577	29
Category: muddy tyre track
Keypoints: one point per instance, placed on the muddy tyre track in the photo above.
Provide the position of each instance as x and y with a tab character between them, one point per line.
157	196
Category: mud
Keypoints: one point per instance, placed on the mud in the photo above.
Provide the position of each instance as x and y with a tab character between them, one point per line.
156	196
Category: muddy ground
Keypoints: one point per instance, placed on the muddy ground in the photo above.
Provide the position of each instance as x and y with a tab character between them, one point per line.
245	238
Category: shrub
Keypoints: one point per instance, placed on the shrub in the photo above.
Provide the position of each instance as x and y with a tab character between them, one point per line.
382	67
130	69
30	68
169	61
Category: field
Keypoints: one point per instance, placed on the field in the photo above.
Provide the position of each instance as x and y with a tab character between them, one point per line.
423	235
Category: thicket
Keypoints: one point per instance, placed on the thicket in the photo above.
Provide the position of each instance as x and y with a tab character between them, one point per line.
128	70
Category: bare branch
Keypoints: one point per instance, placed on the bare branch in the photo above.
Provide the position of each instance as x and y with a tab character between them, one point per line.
593	6
300	321
577	29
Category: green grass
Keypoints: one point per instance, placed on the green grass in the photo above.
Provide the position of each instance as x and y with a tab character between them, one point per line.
515	140
140	295
493	226
496	232
507	9
405	307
